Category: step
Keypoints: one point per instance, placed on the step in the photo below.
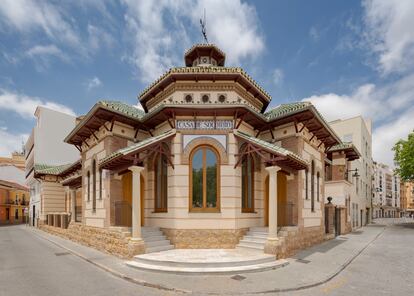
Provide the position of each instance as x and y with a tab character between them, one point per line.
259	229
250	246
256	234
159	248
157	243
209	270
259	259
152	233
254	239
154	238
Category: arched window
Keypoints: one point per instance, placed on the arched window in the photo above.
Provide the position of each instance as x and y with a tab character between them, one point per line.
100	184
94	185
89	186
161	183
317	186
307	184
248	184
204	179
313	186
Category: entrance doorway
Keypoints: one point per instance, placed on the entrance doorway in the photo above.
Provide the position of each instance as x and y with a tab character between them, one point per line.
284	209
7	214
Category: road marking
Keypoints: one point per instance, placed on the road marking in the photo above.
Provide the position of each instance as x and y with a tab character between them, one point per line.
335	285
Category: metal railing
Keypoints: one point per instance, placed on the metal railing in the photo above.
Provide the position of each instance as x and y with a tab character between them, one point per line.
123	213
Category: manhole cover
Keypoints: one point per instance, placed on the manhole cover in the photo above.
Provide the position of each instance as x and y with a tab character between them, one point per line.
238	277
62	254
303	261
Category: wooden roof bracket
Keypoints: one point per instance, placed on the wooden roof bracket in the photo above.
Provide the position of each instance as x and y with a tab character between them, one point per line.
112	124
241	120
93	133
102	122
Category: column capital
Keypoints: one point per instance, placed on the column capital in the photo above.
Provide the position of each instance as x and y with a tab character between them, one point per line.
136	169
273	168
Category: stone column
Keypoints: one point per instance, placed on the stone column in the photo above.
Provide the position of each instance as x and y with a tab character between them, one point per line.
136	202
272	240
73	205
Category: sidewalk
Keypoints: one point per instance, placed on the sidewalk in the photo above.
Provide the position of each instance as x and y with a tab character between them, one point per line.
308	268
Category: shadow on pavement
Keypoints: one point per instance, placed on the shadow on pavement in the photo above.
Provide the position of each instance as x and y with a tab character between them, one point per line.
322	248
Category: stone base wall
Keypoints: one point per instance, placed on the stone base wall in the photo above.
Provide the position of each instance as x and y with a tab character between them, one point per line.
109	241
204	238
295	240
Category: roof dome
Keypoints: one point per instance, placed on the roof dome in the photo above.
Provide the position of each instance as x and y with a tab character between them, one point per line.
204	55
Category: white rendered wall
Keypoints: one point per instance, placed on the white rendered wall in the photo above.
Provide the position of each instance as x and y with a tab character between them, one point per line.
51	129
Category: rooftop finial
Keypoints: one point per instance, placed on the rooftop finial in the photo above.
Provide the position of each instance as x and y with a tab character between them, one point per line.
203	26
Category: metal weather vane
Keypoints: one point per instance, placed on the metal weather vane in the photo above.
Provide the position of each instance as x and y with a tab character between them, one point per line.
203	27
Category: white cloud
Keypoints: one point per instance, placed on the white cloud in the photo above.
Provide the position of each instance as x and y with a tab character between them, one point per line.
390	106
99	38
155	26
278	76
390	33
93	83
314	34
28	15
25	105
11	142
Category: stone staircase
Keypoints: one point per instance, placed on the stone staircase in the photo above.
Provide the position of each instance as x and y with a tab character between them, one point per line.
256	237
155	240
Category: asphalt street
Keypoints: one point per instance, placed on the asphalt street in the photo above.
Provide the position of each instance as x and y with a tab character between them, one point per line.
31	265
386	267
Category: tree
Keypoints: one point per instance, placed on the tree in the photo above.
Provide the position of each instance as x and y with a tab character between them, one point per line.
404	158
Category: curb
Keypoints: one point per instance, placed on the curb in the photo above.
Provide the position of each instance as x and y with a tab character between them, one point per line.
170	289
110	270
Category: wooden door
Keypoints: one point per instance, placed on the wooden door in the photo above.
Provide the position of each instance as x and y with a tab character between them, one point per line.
282	206
266	201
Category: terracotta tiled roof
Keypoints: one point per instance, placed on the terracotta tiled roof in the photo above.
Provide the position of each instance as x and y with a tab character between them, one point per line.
14	185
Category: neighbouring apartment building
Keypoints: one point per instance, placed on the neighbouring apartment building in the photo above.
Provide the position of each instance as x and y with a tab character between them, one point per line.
407	198
16	160
14	200
45	148
204	162
386	193
358	131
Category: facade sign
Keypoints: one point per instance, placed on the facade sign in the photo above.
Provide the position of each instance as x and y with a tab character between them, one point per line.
204	124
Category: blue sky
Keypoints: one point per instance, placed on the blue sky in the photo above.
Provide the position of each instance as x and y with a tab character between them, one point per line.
348	57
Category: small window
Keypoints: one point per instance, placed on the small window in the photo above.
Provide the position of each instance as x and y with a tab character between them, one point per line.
100	184
222	98
307	184
317	186
205	98
161	184
89	186
313	186
94	185
188	98
248	184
